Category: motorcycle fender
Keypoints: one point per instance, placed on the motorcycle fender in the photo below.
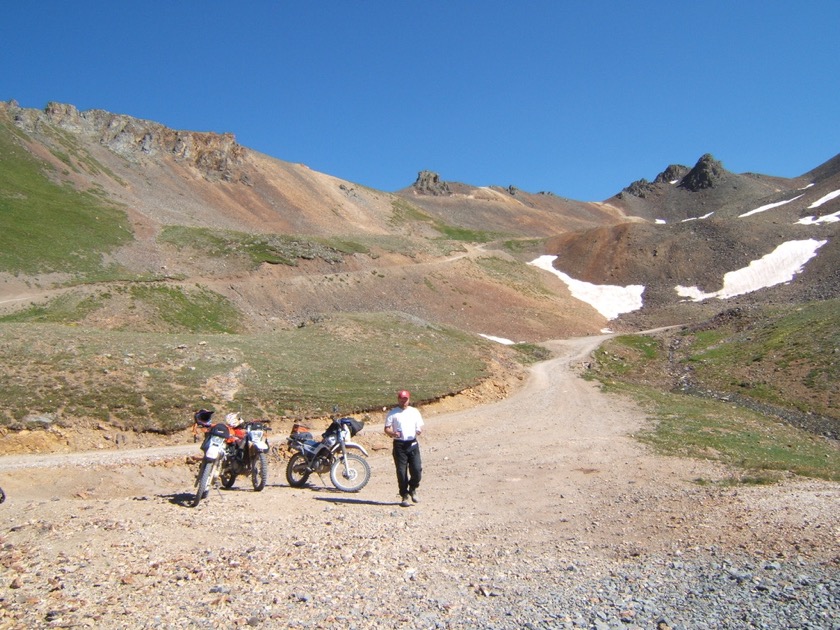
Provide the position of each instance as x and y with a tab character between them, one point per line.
213	452
358	446
261	446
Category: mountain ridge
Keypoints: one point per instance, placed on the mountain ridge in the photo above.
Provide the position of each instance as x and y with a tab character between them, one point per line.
687	226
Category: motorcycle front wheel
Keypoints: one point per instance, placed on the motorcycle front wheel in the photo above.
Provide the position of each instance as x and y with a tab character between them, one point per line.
259	471
350	474
297	473
203	479
227	476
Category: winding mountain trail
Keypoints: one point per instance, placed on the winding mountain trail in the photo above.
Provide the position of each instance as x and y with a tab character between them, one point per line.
524	502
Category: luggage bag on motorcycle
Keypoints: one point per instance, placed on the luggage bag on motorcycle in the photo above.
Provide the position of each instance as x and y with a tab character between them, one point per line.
355	425
300	433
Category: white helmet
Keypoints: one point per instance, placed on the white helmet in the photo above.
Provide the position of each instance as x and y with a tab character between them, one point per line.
233	419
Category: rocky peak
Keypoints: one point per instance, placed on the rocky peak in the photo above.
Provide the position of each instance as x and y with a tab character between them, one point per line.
705	174
640	188
429	183
216	156
674	173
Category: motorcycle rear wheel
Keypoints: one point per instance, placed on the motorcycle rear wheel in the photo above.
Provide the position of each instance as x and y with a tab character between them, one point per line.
203	479
259	472
296	471
350	474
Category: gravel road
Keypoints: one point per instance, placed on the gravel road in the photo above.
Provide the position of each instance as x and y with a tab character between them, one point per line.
539	511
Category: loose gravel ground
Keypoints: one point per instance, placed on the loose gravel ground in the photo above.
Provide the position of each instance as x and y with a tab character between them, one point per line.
539	511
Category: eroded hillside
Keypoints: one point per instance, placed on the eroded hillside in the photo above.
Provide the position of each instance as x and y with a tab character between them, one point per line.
204	210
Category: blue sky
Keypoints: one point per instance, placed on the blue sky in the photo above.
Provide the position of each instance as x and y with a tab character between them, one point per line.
579	98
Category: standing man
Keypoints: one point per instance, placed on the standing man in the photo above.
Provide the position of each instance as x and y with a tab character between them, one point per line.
404	423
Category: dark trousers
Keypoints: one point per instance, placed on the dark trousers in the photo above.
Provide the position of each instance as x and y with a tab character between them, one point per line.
409	467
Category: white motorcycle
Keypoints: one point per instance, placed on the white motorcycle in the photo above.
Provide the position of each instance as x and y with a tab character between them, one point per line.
215	451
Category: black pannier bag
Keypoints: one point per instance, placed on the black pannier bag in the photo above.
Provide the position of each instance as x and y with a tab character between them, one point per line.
335	427
355	425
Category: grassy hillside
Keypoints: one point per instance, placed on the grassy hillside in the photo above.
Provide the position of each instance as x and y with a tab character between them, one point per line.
149	381
46	226
137	307
756	388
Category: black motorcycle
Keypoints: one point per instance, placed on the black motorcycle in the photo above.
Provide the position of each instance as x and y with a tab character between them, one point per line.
349	472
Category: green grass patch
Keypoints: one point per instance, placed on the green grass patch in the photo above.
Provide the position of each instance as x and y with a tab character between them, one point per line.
687	426
646	346
455	233
194	310
68	308
152	381
518	246
404	212
48	227
635	357
788	357
525	279
166	308
529	353
729	355
275	249
254	249
76	157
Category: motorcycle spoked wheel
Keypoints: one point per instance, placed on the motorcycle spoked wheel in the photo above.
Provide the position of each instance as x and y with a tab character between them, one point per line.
204	473
227	476
297	473
259	471
350	474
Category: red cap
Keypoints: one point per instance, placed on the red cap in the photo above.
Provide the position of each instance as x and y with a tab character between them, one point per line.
403	394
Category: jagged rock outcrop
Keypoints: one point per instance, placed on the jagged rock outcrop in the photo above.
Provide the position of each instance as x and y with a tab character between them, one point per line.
705	174
640	188
216	156
674	173
429	183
